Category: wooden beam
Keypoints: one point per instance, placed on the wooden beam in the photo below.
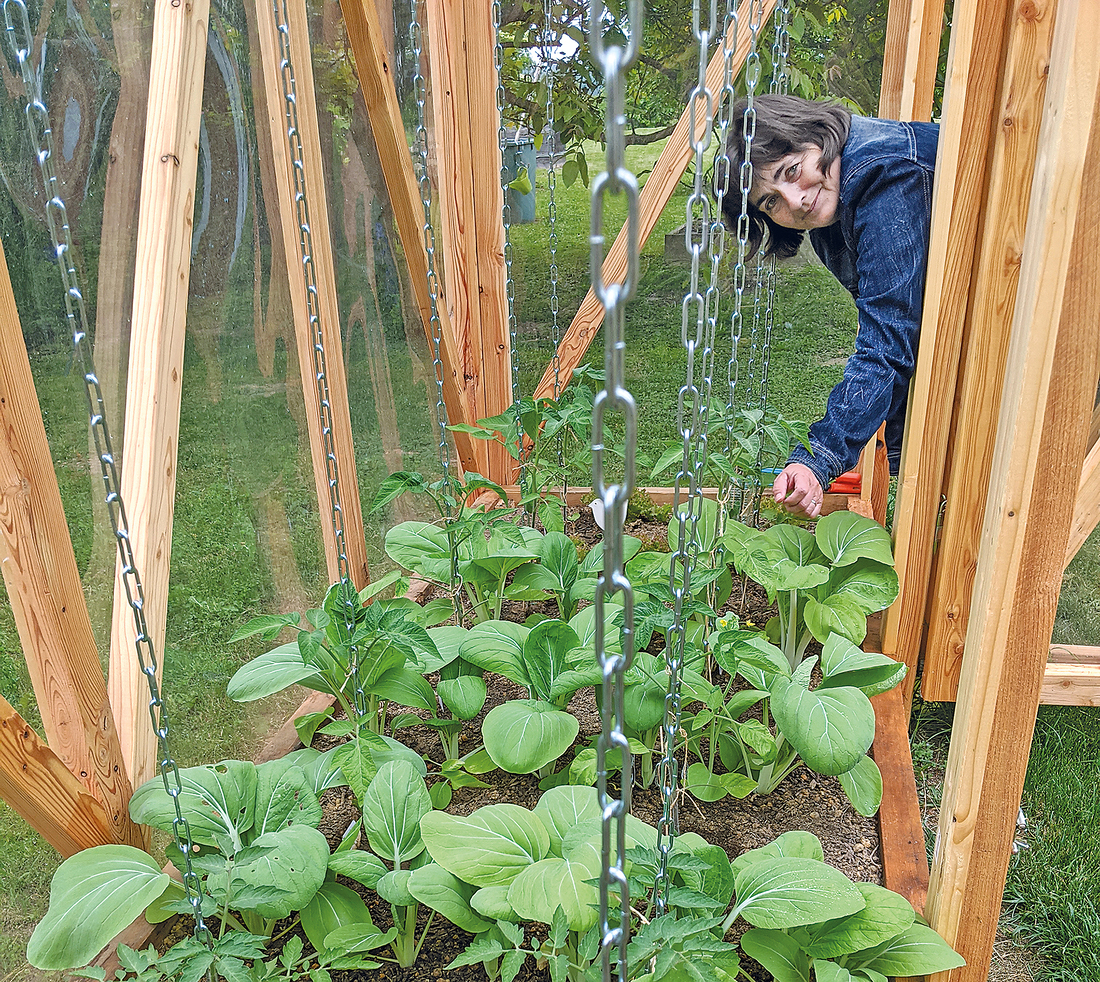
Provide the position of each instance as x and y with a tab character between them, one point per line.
1072	676
43	584
913	29
293	216
993	302
1086	512
904	858
38	786
375	78
1049	390
658	188
973	69
463	85
148	483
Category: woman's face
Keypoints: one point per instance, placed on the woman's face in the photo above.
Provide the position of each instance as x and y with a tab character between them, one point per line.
794	192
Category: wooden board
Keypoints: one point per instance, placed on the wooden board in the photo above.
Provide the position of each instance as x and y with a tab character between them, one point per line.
913	29
44	588
38	787
992	306
155	378
1072	676
1086	511
327	307
463	86
1050	386
658	188
375	78
958	197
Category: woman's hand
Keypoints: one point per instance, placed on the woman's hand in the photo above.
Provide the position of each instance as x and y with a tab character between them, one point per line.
798	491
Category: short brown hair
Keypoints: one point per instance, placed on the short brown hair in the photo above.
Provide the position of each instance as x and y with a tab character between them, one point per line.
785	124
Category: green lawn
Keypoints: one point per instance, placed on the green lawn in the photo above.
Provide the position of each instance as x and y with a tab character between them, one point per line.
245	495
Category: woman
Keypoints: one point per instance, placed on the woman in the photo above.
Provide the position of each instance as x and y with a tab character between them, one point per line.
862	188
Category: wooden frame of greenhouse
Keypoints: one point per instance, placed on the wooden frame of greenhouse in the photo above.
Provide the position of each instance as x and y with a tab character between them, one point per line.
1003	424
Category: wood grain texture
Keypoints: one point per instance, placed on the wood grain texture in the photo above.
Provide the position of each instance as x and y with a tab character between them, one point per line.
375	79
327	307
658	188
958	197
1050	386
38	786
1071	684
1086	511
463	85
913	29
993	302
904	859
43	585
155	373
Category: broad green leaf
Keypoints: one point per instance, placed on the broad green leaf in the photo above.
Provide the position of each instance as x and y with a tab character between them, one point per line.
497	646
274	671
463	696
446	893
706	524
919	951
283	797
291	861
863	786
795	844
394	888
826	971
584	623
644	704
584	841
797	544
558	557
420	548
835	615
548	884
871	584
525	734
760	661
269	625
356	938
704	783
321	770
886	915
562	808
779	953
787	575
546	654
448	640
593	560
843	663
787	892
830	728
488	847
93	896
218	801
406	687
392	808
333	906
845	537
492	903
396	485
359	865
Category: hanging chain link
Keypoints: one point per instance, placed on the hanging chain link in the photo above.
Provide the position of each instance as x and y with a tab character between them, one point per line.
551	187
349	600
17	22
615	61
693	409
740	272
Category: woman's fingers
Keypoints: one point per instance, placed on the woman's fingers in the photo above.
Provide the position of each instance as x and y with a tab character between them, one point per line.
798	491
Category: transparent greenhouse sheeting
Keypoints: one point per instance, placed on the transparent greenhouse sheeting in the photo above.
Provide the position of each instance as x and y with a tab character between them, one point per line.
246	535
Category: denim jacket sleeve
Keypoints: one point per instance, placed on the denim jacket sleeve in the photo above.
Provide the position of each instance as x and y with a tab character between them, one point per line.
878	249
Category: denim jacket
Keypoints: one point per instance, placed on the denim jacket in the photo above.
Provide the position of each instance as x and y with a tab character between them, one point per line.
878	249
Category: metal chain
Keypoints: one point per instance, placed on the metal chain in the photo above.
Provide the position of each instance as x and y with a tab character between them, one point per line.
780	79
348	597
506	215
693	410
616	179
748	123
551	187
41	137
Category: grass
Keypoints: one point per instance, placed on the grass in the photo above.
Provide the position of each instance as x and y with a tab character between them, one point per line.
245	495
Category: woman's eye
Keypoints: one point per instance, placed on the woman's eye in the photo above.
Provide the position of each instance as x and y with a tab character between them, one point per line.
770	203
792	171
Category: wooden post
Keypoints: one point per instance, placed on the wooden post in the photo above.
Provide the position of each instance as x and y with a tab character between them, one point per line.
913	29
993	303
973	69
47	601
1048	395
654	196
326	306
367	42
156	357
1086	512
39	787
463	77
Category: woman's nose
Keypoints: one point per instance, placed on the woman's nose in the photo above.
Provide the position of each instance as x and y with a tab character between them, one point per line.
792	195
